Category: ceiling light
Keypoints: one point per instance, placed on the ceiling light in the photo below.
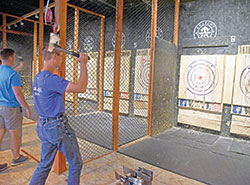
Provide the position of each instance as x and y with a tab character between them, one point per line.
9	27
15	25
36	16
21	23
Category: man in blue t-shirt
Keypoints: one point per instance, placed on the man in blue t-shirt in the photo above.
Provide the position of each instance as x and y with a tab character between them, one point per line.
53	129
11	99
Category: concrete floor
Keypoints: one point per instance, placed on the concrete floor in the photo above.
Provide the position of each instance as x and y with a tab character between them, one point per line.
97	172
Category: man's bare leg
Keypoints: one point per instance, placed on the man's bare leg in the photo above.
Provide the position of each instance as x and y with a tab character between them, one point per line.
15	143
2	132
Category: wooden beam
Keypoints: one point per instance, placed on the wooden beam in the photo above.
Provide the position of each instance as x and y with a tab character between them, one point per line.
25	16
87	11
117	63
17	17
4	32
75	71
101	66
34	50
176	22
18	33
41	34
152	55
61	18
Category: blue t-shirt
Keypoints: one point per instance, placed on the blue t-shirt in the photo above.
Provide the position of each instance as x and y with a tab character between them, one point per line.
48	92
8	78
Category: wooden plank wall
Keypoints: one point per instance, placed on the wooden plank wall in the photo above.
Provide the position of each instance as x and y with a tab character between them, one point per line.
241	97
124	81
206	82
141	88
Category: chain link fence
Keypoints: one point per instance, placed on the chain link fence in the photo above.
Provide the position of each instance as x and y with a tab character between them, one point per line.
93	127
90	113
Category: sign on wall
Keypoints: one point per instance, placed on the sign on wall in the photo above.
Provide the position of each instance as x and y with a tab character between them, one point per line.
205	29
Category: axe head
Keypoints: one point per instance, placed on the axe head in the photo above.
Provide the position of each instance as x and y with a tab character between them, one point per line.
54	38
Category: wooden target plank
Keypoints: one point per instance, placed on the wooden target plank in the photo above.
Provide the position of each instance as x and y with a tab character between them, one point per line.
91	92
230	62
240	125
124	80
241	94
142	69
124	71
141	87
201	77
200	119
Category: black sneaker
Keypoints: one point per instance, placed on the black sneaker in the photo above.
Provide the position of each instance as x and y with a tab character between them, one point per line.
18	161
3	167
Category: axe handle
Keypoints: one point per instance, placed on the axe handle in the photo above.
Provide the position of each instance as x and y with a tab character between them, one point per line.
69	52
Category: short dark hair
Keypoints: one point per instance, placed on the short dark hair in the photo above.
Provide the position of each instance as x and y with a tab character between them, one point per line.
47	54
6	52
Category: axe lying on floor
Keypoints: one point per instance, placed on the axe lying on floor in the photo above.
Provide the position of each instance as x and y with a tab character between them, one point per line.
54	38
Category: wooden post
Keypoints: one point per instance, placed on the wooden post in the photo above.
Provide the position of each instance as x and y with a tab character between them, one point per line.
34	50
152	55
4	32
76	28
61	18
176	22
117	62
18	33
41	34
101	65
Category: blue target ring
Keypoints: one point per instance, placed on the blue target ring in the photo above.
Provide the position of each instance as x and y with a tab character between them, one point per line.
245	82
201	77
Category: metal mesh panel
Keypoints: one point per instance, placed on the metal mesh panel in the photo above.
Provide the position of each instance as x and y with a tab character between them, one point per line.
93	128
135	63
165	29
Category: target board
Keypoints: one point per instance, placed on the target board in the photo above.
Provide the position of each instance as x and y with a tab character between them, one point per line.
242	81
201	77
241	98
142	70
206	82
124	80
91	92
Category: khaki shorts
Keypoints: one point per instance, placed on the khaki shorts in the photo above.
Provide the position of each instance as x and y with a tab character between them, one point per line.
11	118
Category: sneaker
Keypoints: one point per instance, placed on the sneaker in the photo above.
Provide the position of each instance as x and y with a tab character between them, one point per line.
3	167
18	161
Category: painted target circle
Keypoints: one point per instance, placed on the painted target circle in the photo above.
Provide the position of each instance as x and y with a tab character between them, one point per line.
143	73
201	77
245	82
159	34
123	40
88	43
